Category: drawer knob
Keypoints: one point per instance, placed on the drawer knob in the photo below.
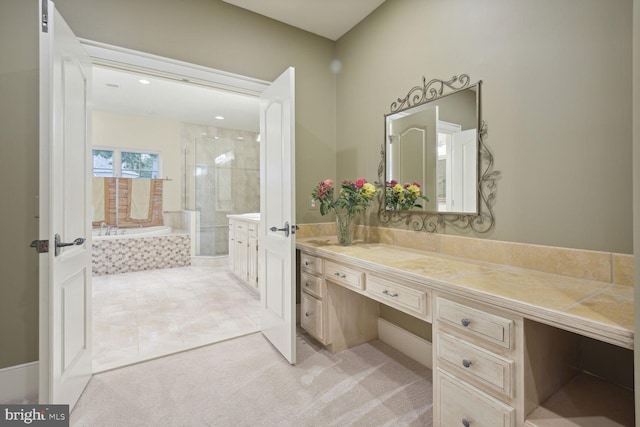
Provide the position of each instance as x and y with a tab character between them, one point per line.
307	263
391	294
465	322
307	314
466	363
342	276
307	284
466	422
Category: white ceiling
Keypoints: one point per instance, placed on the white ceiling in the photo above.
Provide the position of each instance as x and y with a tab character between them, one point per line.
120	91
327	18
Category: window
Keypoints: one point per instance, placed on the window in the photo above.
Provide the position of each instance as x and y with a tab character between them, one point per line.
139	165
103	163
126	164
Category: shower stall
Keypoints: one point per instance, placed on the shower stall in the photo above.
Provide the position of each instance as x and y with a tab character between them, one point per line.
221	177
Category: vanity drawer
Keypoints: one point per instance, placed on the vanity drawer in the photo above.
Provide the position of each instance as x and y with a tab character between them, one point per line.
344	275
460	404
240	227
402	297
311	316
252	229
311	263
486	326
311	284
475	364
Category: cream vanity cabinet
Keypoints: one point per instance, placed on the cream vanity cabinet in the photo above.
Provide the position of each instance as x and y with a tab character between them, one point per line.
493	364
312	294
339	303
243	247
475	360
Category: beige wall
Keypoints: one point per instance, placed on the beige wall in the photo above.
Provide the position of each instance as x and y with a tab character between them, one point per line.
19	177
636	195
556	96
217	35
145	133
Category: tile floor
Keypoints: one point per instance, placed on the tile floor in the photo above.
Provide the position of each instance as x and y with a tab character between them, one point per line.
147	314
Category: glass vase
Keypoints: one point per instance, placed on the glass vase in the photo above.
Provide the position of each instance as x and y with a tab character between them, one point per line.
345	223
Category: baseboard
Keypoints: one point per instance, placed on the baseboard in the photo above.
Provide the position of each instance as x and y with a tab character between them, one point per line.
19	384
405	342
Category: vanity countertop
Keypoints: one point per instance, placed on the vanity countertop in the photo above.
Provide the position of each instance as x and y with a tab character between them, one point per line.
253	217
596	309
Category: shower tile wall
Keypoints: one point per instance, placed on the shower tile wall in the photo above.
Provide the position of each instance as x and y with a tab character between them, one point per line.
222	176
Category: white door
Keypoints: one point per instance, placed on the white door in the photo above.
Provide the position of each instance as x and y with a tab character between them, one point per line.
276	253
65	277
465	170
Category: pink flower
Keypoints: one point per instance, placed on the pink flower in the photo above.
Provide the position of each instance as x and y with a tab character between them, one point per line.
417	184
360	182
327	182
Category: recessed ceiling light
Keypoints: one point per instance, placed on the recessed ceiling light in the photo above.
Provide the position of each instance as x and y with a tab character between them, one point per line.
144	81
219	118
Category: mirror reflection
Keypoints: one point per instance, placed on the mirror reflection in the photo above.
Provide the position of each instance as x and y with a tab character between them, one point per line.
434	146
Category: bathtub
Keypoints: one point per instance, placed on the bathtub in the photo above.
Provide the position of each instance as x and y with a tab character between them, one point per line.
138	249
128	233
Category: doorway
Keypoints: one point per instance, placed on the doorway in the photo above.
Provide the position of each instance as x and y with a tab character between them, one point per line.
207	155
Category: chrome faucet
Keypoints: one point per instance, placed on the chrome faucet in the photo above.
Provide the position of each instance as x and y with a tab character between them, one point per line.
103	226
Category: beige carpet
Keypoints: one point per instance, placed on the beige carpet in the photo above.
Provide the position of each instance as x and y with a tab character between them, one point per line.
245	382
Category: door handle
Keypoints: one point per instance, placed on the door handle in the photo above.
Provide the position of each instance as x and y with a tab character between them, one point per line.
61	244
285	229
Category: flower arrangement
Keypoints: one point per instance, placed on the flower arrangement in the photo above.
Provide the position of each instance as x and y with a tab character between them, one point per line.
403	197
354	197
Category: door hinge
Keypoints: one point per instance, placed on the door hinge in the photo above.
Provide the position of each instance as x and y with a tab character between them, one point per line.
45	16
42	246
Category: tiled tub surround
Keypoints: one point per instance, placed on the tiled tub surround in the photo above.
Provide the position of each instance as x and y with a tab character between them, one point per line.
124	255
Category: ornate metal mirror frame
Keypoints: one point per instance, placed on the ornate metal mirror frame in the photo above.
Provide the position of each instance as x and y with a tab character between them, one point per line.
481	221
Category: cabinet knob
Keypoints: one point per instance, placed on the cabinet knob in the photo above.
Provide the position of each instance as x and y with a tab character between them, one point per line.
307	284
307	263
465	322
466	363
389	293
342	276
307	314
466	422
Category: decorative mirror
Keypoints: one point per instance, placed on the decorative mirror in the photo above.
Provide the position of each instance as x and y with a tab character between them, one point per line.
436	167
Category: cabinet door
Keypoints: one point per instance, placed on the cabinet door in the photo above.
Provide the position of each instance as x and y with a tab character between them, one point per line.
232	246
252	262
240	257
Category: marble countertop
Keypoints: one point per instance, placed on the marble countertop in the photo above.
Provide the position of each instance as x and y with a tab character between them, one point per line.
253	217
596	309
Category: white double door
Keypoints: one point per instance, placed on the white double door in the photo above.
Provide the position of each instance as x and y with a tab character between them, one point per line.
65	168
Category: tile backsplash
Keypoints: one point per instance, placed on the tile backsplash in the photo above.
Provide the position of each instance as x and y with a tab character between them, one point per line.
584	264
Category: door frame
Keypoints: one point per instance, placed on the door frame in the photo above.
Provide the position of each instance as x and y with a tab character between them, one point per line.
159	66
127	59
